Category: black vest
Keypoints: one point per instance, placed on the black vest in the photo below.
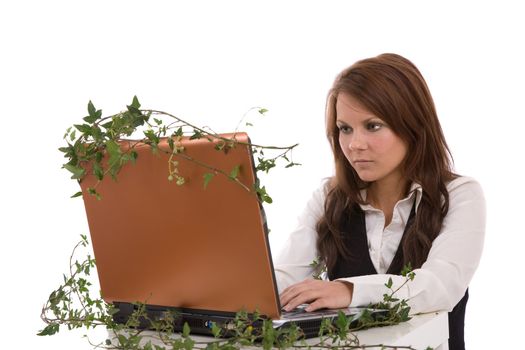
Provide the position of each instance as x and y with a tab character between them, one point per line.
356	242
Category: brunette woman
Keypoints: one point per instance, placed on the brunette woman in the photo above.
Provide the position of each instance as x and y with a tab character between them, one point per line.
394	200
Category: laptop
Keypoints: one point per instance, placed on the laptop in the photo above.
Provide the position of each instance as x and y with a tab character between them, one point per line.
200	248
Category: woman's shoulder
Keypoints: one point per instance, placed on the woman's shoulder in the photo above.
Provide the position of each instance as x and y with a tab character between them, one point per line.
464	186
315	205
325	185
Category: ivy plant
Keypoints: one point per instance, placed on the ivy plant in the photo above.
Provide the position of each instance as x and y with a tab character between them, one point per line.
73	306
98	138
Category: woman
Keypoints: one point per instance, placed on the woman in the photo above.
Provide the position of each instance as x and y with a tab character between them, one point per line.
394	200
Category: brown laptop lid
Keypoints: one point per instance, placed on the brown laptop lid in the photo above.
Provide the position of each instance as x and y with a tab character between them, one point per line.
182	246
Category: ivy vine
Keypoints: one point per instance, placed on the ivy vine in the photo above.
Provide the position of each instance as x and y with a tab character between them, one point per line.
72	306
99	138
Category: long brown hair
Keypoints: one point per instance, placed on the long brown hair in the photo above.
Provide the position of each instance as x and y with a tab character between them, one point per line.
392	88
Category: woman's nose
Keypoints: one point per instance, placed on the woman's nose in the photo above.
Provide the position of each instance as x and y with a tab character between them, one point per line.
357	142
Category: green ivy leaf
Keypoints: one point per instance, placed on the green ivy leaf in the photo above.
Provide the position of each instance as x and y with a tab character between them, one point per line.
77	172
99	156
66	150
114	152
185	330
406	269
94	114
122	339
94	192
78	194
291	164
49	330
326	327
207	178
235	172
68	130
269	335
107	125
261	192
150	134
403	314
265	164
91	109
83	128
98	171
188	344
135	103
196	135
343	324
267	199
133	155
215	330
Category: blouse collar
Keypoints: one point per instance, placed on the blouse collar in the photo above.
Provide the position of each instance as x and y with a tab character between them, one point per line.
415	190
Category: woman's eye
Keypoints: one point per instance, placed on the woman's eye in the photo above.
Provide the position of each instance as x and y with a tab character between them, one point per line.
345	129
374	126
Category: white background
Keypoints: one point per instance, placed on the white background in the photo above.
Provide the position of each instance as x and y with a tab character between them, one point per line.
209	62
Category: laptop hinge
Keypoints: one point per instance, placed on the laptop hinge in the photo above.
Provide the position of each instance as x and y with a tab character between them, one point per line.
124	311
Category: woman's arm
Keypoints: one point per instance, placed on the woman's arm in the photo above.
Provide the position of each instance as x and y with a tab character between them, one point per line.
293	263
453	258
440	282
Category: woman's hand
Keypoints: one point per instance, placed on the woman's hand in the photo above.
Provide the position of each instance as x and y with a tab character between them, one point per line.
319	294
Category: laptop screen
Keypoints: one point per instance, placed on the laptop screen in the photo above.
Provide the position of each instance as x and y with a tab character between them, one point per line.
201	245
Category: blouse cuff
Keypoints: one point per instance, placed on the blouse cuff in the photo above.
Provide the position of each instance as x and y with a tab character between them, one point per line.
370	289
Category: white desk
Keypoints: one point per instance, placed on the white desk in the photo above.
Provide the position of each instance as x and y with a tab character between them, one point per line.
420	332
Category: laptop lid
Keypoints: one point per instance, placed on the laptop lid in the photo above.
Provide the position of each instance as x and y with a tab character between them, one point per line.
186	246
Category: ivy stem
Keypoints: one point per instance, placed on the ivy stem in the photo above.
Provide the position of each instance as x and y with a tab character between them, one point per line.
215	170
153	111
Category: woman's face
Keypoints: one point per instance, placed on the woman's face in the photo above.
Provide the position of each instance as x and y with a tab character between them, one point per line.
369	144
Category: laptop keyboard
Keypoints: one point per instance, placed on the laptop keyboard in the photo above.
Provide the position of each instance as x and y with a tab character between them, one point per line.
300	312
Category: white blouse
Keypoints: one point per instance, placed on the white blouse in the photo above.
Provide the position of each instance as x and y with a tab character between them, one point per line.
440	282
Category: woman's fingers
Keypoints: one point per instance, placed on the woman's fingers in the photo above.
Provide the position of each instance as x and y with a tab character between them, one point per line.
319	294
301	291
295	295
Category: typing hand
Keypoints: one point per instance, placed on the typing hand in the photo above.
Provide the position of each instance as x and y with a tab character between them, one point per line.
319	294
